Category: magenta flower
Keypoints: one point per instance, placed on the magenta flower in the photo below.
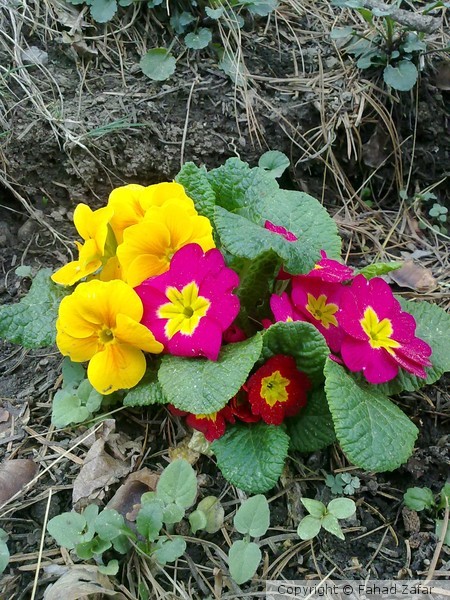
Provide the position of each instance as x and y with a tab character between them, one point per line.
280	230
332	271
379	337
283	309
188	307
317	302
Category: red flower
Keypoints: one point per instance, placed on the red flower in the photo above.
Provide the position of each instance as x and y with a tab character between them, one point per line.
234	334
242	409
277	389
212	425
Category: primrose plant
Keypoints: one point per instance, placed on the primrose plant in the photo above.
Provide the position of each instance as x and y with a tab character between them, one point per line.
224	297
387	45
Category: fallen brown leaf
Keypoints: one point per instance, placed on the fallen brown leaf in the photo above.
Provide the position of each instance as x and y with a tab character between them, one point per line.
443	76
14	475
107	461
127	499
82	581
414	277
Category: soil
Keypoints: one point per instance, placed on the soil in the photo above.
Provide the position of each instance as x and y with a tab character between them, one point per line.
98	122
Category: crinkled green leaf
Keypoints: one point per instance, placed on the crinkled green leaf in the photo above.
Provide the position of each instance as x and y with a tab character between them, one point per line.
274	162
309	527
378	269
195	181
67	529
158	64
103	11
243	560
312	429
177	484
256	278
299	213
31	322
251	457
300	340
433	326
372	431
168	550
145	394
202	386
237	186
253	516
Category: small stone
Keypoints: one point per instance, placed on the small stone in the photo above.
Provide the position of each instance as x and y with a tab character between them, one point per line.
34	56
26	230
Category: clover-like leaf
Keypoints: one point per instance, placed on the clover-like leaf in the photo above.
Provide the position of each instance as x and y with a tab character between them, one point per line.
309	527
253	516
342	508
315	508
198	40
331	524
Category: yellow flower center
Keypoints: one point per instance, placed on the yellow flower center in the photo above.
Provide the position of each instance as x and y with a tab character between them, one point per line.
208	417
379	332
273	388
322	311
184	310
106	336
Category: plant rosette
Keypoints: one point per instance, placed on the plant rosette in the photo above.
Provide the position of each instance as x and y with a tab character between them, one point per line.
224	297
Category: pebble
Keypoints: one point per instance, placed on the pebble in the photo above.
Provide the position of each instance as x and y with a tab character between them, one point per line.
34	56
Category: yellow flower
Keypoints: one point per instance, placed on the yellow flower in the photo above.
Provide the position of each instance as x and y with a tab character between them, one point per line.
131	202
93	228
148	247
100	323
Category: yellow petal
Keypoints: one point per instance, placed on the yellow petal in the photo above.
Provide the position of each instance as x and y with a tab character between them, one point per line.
145	266
111	270
161	193
129	203
72	321
93	225
118	366
78	350
135	334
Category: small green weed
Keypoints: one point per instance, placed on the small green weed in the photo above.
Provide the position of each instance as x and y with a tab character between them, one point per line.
423	499
4	552
325	516
388	45
343	483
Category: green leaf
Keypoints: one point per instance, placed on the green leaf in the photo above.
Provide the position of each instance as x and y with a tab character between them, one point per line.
103	11
67	529
274	162
251	457
378	269
309	527
67	408
312	429
300	340
256	279
90	514
158	64
145	394
439	529
243	560
299	213
198	40
177	484
89	397
149	520
253	516
112	568
31	322
168	550
372	431
433	325
213	510
23	271
197	520
330	524
315	508
419	499
109	524
86	550
214	13
195	181
403	77
445	496
237	186
342	508
4	552
173	513
73	373
202	386
232	66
